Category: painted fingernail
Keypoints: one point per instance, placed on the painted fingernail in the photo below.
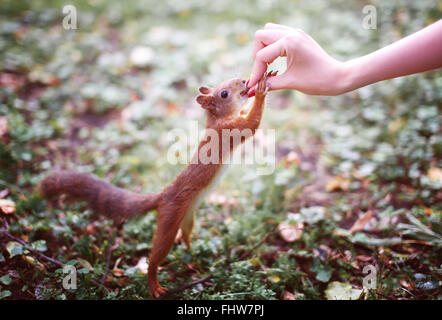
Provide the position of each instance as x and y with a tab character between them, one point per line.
251	93
247	83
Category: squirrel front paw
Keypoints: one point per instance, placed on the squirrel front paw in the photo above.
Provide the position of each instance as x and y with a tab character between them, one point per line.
262	87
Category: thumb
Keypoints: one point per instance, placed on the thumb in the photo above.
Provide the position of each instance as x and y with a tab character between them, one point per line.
275	83
280	82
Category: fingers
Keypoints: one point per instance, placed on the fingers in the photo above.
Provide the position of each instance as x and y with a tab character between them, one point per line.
270	26
280	82
265	37
265	56
275	82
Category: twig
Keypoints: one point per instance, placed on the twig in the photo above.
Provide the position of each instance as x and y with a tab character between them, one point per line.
22	242
39	254
110	248
263	240
185	286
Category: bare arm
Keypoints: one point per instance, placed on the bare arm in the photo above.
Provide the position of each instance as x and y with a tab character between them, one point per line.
311	70
419	52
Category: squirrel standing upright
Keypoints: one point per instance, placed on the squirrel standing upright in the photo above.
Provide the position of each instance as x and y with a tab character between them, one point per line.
177	202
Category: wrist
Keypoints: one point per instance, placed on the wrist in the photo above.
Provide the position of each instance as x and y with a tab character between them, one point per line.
354	74
347	77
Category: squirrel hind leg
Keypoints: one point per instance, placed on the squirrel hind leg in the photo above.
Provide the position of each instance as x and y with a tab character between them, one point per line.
186	227
169	219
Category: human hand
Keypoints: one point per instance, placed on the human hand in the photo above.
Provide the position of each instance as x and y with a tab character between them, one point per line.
309	68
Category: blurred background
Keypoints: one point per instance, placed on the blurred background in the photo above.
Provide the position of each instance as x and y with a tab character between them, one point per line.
357	180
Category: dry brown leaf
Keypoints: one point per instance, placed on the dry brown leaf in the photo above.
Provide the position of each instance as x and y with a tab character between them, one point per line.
363	258
290	232
7	206
337	183
361	222
118	272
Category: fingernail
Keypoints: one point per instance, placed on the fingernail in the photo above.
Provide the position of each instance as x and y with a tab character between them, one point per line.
247	83
251	93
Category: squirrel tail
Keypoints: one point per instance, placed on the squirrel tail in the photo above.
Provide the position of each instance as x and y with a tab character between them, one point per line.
104	198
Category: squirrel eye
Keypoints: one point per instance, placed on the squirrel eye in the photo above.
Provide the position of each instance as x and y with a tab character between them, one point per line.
224	94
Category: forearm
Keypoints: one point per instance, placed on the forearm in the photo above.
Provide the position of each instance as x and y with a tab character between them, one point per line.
253	117
255	114
419	52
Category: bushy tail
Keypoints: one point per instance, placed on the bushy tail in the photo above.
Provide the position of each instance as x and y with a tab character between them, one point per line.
104	198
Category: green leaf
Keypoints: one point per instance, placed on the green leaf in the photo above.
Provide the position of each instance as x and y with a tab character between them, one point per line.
39	245
83	270
14	249
324	275
6	280
4	294
323	272
363	238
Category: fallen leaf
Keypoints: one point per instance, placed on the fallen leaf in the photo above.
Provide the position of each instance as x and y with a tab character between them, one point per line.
5	293
14	248
363	258
85	264
293	158
290	232
4	193
6	279
435	174
34	262
90	229
405	284
222	200
337	183
361	222
3	126
341	291
7	206
118	272
289	296
142	265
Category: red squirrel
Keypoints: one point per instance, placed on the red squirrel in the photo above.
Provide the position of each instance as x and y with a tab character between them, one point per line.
177	202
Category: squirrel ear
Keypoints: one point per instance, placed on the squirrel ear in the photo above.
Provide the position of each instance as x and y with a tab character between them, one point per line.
203	99
204	90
